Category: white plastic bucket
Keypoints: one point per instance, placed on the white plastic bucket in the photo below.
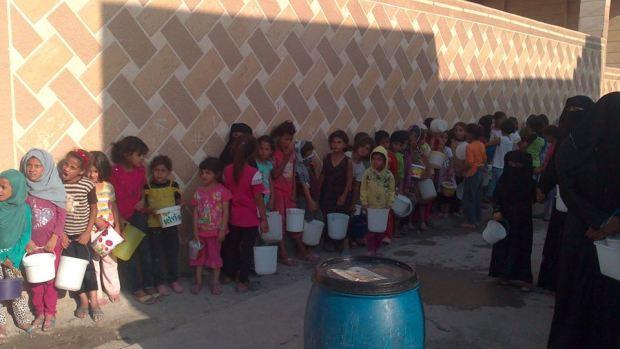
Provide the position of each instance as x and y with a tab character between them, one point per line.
459	191
295	220
494	232
439	126
274	219
194	248
608	259
337	224
170	216
448	189
265	259
614	241
402	206
377	219
559	203
427	189
70	273
436	159
105	241
416	171
461	151
358	210
312	232
39	267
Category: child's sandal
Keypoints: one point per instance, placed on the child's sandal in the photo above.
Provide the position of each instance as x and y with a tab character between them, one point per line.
38	322
216	290
196	289
81	312
97	315
144	299
49	324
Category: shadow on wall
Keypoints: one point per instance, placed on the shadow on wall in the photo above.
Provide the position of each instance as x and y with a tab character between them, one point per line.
178	80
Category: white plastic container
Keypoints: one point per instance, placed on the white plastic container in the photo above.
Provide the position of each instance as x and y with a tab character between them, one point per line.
295	220
358	210
608	259
402	206
312	232
460	191
377	219
436	159
194	248
170	216
461	151
439	126
39	267
337	224
105	241
417	171
70	273
448	189
559	203
427	189
274	219
614	241
494	232
265	259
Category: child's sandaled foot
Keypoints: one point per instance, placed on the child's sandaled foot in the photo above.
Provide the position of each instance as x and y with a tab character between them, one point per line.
38	321
176	287
163	290
49	324
216	290
144	298
3	337
196	289
242	288
288	262
312	257
96	314
423	227
26	327
114	298
81	312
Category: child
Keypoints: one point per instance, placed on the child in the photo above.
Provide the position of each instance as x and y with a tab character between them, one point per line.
308	190
398	143
128	178
377	191
503	145
47	201
265	166
81	215
515	192
514	137
446	174
413	157
536	125
106	268
247	212
472	191
236	130
360	162
161	192
336	178
211	212
15	231
284	185
382	138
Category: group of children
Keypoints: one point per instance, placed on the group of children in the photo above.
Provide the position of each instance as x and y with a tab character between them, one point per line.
43	210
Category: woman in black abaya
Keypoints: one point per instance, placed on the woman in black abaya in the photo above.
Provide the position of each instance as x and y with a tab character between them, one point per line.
575	110
587	309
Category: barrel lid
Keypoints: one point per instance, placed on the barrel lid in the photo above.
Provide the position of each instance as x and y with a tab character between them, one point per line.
365	275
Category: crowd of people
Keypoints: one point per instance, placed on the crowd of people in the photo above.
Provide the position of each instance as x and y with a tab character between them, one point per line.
494	163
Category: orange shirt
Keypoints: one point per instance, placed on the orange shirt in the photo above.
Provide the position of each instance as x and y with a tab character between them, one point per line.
475	157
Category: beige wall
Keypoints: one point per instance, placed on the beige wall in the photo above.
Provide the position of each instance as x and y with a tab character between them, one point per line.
613	36
564	13
179	73
7	146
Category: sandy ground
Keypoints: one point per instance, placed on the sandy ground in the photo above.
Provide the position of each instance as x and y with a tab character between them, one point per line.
463	307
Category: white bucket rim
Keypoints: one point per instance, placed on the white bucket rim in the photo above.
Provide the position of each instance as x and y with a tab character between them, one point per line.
29	259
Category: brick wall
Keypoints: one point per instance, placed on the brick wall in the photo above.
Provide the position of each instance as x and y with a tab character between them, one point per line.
611	80
178	73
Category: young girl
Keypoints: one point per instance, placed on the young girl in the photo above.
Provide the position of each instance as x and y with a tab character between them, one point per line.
474	162
47	201
359	163
284	180
15	230
446	174
211	212
128	178
265	166
418	155
106	268
377	191
511	257
336	178
247	212
81	215
307	184
236	130
159	193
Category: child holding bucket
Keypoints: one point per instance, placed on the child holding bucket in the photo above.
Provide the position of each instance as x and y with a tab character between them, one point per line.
359	162
377	191
128	178
211	204
106	267
265	165
247	212
284	186
15	230
81	215
47	201
161	192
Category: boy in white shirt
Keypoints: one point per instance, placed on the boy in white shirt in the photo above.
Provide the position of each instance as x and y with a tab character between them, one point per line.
504	144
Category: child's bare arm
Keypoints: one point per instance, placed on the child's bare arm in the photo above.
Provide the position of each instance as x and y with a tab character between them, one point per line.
258	200
84	238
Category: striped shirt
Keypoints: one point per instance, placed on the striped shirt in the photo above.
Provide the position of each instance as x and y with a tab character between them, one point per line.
80	196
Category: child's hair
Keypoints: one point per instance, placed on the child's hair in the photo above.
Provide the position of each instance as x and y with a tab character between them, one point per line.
399	136
427	122
363	142
212	164
128	146
544	120
308	147
266	139
552	131
339	134
161	160
381	135
287	127
499	115
474	130
515	122
244	149
507	126
527	136
535	123
100	161
359	136
82	156
485	122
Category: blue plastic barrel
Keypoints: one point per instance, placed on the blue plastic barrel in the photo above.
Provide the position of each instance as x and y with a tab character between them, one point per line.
364	302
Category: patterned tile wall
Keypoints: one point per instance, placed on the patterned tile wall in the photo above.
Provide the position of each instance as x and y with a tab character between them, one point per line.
611	80
178	72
